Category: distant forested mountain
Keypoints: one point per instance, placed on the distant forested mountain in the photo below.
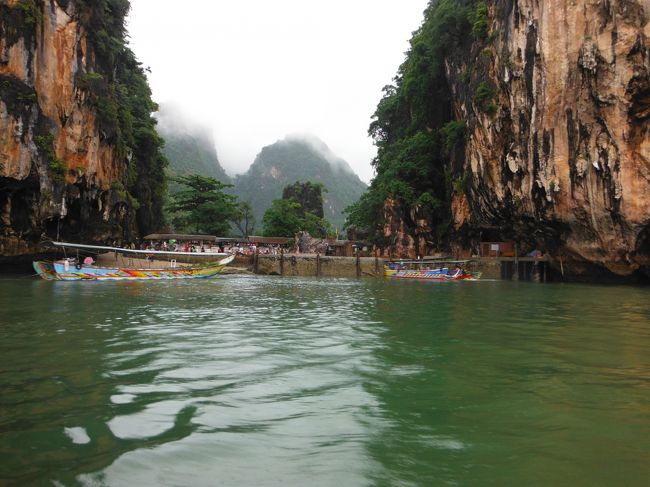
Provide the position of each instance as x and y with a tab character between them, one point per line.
299	159
189	147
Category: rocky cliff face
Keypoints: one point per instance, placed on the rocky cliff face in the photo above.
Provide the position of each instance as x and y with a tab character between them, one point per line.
63	172
558	143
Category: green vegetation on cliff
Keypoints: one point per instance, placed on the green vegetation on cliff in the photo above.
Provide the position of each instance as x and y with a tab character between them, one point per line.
117	87
415	130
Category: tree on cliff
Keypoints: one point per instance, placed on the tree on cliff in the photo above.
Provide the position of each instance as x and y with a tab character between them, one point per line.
308	194
204	207
300	208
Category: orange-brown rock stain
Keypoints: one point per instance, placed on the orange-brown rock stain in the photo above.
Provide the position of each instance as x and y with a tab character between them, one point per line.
576	86
55	66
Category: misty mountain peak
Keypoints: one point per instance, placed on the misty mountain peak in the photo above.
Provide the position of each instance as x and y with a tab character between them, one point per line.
173	120
299	158
189	145
310	145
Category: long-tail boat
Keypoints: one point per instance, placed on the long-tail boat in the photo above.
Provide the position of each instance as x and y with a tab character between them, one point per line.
74	269
430	269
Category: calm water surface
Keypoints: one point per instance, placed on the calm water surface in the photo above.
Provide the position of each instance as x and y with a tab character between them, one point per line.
254	381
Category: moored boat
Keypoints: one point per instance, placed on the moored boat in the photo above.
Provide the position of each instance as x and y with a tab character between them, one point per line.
74	269
433	270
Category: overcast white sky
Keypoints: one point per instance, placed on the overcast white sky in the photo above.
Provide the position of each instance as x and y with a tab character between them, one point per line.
257	70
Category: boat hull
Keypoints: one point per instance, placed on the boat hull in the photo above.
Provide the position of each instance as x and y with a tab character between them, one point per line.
61	271
45	270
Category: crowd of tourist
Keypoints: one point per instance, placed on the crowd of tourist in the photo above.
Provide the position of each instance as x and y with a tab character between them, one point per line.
240	248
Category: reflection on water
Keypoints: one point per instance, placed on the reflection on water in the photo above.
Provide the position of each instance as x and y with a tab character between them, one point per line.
264	381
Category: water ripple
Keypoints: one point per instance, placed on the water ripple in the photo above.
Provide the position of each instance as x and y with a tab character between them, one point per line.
263	381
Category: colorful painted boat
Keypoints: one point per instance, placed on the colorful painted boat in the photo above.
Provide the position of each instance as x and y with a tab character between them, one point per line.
63	270
75	270
421	269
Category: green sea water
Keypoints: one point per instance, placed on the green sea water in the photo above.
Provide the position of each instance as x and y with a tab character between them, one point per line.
255	381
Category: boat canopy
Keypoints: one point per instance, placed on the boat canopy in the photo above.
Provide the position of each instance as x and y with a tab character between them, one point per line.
103	248
256	239
180	237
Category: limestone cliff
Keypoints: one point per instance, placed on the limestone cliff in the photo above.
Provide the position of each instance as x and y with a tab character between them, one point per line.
519	120
72	144
562	159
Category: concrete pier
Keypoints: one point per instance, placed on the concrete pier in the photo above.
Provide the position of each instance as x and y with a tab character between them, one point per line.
316	265
514	268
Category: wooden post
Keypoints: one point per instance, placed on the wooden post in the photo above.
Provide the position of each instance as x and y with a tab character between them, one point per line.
515	275
358	264
543	271
256	258
376	264
317	264
282	261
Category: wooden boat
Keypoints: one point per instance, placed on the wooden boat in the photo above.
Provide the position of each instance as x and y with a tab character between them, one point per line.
432	270
75	270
